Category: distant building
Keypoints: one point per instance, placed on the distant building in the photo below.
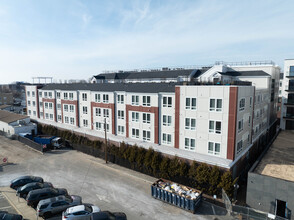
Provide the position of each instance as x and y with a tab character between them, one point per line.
220	115
6	98
270	185
287	114
12	123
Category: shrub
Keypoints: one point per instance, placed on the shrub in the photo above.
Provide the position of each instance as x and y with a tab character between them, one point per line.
140	157
164	167
148	159
174	167
202	177
155	163
227	183
214	179
133	153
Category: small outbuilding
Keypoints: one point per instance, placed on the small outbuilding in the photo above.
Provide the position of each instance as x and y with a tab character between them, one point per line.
12	123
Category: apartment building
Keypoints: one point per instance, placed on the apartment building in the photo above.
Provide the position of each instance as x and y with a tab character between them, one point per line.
6	98
287	107
218	116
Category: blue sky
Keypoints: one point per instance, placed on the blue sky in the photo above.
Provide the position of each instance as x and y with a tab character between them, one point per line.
75	39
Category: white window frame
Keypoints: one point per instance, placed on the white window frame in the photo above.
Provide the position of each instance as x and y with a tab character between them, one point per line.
98	112
214	145
242	104
106	112
146	118
166	120
121	129
190	144
120	99
70	95
239	146
121	114
167	101
135	116
135	133
84	97
71	108
166	138
146	100
190	103
188	124
105	98
135	100
72	120
97	97
214	128
85	123
85	110
215	108
146	135
240	125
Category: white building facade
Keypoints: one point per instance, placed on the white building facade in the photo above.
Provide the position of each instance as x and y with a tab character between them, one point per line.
216	120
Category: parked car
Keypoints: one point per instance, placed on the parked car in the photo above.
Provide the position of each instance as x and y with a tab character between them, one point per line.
24	190
8	216
35	196
107	215
82	212
58	204
23	180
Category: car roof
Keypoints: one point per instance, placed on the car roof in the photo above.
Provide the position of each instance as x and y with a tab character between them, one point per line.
53	199
40	190
76	208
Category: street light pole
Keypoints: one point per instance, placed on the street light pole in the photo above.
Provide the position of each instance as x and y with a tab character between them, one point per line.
105	140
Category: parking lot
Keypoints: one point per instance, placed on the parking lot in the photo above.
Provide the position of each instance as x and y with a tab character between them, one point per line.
108	186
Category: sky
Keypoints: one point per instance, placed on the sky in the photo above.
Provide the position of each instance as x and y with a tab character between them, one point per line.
76	39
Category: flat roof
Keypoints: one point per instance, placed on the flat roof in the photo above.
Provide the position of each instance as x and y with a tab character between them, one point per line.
278	162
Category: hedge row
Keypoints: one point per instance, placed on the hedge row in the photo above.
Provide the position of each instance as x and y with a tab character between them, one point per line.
209	179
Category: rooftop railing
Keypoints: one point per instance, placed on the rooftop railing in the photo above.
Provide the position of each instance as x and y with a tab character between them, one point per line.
246	63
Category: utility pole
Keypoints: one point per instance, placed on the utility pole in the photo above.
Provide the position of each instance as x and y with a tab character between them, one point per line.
105	140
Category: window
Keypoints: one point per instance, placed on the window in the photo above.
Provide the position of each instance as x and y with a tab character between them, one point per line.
31	112
146	135
58	117
249	121
29	103
50	105
190	123
107	127
50	94
191	103
135	133
97	98
213	148
28	93
215	127
146	100
106	113
71	108
33	94
34	113
51	116
70	95
98	126
46	115
105	98
120	99
65	95
85	123
58	95
66	119
85	110
40	94
216	105
41	104
46	105
65	108
121	129
84	96
98	111
167	101
72	121
120	114
135	100
58	106
189	144
166	138
146	118
166	120
135	116
240	125
250	102
34	103
41	114
242	104
45	94
239	146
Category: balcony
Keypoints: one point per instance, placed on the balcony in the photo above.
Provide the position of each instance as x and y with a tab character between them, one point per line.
291	75
289	117
290	89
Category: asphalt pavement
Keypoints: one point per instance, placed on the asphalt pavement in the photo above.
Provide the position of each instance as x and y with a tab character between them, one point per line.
108	186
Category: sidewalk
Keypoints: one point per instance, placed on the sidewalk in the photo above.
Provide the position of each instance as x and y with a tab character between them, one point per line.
19	204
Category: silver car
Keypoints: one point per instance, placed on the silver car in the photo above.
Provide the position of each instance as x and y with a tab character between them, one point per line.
48	207
80	212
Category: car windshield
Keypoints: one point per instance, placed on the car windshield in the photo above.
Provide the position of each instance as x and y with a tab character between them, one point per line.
88	208
54	190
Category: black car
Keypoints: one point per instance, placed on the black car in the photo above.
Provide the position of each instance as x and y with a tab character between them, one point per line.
8	216
107	215
24	190
35	196
23	180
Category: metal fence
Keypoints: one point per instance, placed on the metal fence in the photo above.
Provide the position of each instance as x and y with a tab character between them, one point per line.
241	212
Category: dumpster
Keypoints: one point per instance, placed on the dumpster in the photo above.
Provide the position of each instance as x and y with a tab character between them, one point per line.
175	194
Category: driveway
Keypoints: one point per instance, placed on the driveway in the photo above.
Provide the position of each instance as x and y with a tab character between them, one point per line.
108	186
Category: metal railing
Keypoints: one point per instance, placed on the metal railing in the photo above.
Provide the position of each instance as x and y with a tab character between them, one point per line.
246	63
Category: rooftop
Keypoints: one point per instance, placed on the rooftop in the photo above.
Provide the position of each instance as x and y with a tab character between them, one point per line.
9	117
278	162
4	106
